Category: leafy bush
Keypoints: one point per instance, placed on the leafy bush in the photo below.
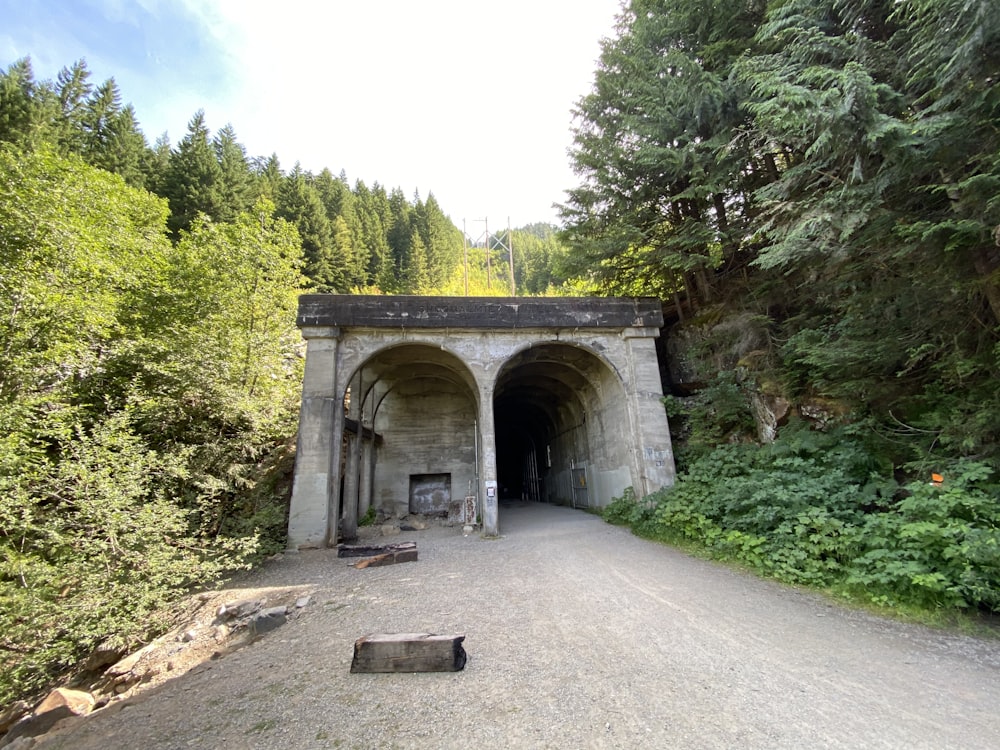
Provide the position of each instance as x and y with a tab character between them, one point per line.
91	549
147	396
939	546
818	508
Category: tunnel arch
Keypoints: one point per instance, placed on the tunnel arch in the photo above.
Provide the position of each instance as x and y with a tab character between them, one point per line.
420	403
552	403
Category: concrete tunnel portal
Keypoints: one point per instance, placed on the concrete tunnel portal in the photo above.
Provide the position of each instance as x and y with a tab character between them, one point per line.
439	402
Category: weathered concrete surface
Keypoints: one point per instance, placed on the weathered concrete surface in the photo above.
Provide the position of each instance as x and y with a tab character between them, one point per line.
632	645
401	311
549	399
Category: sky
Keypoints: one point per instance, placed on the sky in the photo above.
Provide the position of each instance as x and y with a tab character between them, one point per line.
470	100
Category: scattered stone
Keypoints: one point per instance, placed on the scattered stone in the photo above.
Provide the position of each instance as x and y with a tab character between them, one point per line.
188	635
389	529
302	602
12	714
412	524
103	656
408	652
129	663
60	704
268	620
236	610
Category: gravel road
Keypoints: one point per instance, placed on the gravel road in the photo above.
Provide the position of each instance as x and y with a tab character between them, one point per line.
579	635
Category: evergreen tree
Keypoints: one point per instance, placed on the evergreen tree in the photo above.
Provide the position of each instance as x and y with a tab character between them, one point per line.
339	202
299	204
156	165
667	179
373	213
269	177
399	235
112	139
193	180
236	181
28	109
442	239
417	279
74	91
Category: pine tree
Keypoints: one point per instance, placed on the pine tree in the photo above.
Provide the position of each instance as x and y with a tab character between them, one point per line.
373	213
74	91
111	136
29	111
235	181
300	205
192	183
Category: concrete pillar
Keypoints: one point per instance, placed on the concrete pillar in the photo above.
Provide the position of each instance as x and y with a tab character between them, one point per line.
488	489
367	475
352	476
317	459
653	466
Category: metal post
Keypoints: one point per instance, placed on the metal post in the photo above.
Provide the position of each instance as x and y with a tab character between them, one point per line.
488	250
510	254
465	254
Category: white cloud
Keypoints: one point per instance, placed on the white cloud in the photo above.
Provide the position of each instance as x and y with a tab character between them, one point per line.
470	100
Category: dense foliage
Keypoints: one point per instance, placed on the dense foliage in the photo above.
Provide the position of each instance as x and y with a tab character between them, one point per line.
146	390
816	508
829	167
821	179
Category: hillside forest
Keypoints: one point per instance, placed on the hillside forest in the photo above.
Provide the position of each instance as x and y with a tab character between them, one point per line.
812	187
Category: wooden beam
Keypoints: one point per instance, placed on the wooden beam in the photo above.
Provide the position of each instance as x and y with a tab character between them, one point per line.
367	550
408	652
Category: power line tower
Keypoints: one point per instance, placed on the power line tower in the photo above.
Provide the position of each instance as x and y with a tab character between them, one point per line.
490	242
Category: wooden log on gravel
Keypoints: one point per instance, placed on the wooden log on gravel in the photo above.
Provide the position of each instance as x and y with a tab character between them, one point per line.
408	652
369	550
388	558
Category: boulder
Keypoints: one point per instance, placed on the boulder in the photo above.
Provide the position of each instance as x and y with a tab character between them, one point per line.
61	703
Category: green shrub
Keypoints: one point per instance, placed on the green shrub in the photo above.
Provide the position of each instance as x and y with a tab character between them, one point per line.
820	509
91	551
939	546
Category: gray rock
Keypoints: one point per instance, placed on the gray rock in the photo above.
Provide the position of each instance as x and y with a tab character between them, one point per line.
235	610
60	704
269	619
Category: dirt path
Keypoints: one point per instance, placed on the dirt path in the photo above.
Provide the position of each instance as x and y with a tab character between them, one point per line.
579	635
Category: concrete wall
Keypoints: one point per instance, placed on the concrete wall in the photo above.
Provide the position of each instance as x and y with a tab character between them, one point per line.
427	427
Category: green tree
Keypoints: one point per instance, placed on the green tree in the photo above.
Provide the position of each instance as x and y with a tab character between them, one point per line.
374	215
28	109
441	238
667	179
112	138
299	203
340	205
236	180
142	388
74	90
193	180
